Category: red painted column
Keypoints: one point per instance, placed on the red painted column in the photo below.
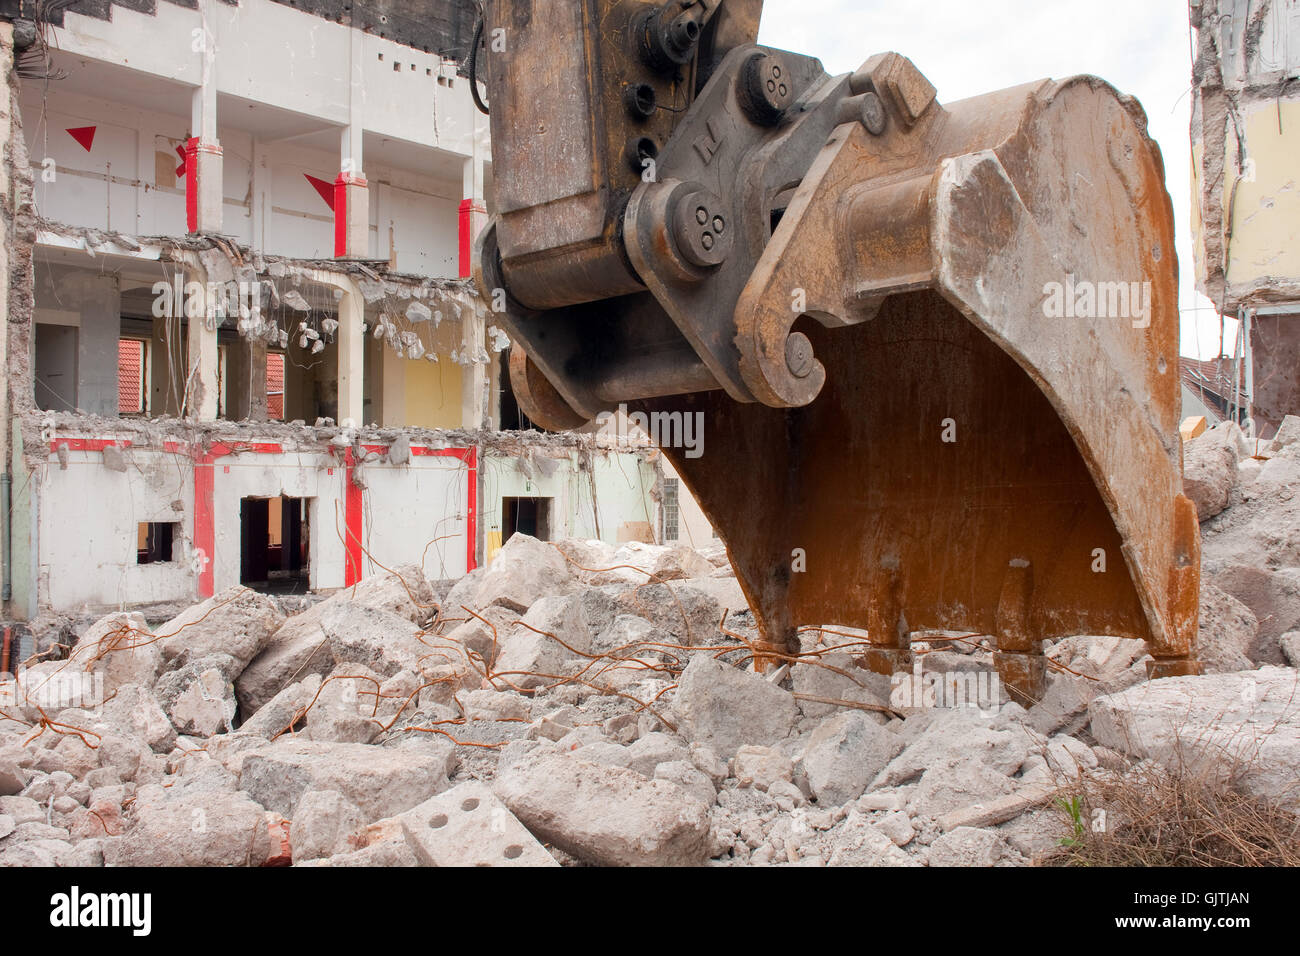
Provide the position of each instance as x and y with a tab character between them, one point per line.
351	216
471	213
202	186
192	184
353	503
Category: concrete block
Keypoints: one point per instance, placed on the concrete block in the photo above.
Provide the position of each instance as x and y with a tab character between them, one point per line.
468	826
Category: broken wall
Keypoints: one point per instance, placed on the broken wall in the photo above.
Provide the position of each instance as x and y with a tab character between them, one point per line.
1245	140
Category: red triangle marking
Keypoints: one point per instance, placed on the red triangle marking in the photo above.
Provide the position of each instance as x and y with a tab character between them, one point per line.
180	170
85	135
326	189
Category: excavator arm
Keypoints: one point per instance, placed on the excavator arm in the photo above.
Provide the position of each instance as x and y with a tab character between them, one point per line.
935	347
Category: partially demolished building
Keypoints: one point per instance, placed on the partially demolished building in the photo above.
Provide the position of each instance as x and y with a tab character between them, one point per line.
240	345
1246	207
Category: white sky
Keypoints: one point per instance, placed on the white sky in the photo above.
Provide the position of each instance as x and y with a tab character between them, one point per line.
967	47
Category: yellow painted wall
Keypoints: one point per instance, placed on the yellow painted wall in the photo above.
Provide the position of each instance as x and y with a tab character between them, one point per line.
432	393
1266	216
421	394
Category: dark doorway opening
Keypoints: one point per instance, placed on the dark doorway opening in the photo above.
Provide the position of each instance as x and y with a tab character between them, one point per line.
273	544
531	516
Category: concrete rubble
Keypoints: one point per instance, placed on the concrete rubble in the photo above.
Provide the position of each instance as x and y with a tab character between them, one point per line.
579	704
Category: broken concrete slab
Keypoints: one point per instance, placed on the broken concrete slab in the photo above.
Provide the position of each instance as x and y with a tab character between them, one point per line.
1228	630
201	829
523	571
1002	744
725	708
237	622
538	648
1290	645
605	815
300	646
684	774
133	712
373	637
321	824
381	781
968	846
469	826
843	756
1210	469
342	710
999	810
484	637
199	698
857	842
1243	726
835	676
653	749
13	775
122	648
681	609
283	710
760	767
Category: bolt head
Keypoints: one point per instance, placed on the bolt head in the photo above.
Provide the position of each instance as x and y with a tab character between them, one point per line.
873	114
765	91
699	229
799	355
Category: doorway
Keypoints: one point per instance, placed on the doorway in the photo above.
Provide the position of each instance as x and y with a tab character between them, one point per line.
274	539
531	516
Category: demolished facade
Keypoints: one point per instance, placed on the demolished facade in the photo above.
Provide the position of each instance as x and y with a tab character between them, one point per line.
1246	196
241	347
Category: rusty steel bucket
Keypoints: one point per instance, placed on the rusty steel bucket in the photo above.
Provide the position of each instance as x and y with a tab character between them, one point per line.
937	369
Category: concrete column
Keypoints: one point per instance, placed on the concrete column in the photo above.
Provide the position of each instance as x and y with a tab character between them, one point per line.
246	380
474	378
201	384
473	217
101	327
350	346
351	216
203	167
351	193
473	211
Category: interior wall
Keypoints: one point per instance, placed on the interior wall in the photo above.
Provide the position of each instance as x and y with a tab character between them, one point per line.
88	519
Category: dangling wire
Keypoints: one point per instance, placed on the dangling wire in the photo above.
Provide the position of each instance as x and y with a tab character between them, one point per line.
473	62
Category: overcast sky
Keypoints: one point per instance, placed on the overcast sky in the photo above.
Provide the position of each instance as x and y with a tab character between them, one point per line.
966	47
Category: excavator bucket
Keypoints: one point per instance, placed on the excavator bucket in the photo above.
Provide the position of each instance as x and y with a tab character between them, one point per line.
933	348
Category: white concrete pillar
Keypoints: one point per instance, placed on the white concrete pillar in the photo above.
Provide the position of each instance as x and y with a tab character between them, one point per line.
351	192
351	346
203	164
202	384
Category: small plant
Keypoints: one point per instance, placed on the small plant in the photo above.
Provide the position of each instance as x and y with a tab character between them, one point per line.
1073	808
